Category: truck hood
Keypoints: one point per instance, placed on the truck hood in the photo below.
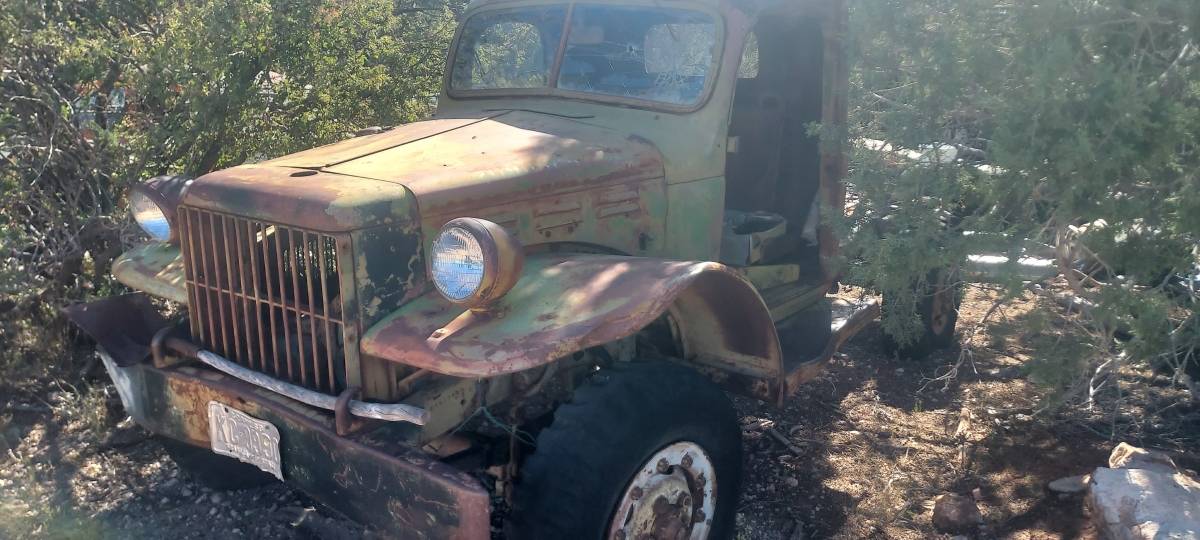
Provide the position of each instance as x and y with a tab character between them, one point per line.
454	166
308	199
446	167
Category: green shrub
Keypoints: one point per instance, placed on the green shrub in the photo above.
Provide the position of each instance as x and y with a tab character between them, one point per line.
205	85
1075	124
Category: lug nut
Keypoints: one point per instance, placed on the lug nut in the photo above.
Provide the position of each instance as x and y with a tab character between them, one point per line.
687	460
663	466
619	535
685	501
636	493
700	480
699	516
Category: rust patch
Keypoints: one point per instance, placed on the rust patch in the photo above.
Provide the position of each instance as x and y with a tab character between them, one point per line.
566	303
514	157
321	202
342	151
382	489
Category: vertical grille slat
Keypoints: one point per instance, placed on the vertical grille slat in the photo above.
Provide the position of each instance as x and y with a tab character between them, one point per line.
205	272
321	258
257	299
230	283
266	296
309	248
187	247
261	238
246	304
295	273
283	313
218	284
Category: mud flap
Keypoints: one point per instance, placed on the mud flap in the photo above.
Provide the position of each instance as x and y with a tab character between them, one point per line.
123	326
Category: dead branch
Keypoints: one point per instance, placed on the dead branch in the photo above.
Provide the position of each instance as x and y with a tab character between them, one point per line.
965	355
775	434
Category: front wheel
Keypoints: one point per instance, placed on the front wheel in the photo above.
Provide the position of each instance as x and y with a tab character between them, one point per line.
643	450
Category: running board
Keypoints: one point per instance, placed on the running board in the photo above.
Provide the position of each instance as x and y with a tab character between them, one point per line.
850	318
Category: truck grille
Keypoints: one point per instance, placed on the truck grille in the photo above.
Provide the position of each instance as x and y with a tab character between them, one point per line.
266	296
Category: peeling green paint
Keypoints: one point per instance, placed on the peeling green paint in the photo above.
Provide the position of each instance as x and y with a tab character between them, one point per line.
156	268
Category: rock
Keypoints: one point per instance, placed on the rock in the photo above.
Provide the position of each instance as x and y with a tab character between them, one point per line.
1145	504
215	498
1127	456
1070	485
954	513
791	482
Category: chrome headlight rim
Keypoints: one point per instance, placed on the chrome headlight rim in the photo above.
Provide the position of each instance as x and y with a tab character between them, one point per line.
502	261
165	192
458	237
164	208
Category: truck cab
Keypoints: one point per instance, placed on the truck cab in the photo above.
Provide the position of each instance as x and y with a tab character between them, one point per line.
527	309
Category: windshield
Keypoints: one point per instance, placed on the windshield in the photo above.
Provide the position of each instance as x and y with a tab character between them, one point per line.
646	53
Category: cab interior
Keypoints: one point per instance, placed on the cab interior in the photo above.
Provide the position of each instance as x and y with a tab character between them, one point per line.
772	179
772	165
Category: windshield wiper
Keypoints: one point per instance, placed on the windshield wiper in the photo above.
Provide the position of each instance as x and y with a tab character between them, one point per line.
571	116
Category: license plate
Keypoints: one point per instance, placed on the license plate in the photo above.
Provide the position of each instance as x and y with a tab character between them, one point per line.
240	436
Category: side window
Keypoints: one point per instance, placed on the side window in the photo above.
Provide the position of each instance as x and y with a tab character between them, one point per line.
507	49
748	68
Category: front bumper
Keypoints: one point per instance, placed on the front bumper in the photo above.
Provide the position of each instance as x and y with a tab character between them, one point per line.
393	488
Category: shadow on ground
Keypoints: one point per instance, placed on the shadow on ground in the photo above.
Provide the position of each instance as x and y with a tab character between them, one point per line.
874	442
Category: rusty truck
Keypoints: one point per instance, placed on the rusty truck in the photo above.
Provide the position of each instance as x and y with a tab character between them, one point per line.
526	313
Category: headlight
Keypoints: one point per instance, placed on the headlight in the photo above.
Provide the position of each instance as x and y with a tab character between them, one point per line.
149	216
153	202
474	262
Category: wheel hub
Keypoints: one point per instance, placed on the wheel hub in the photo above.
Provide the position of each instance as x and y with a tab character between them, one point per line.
670	498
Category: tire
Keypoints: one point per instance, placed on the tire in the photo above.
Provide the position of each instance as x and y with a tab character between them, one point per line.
941	296
214	470
618	423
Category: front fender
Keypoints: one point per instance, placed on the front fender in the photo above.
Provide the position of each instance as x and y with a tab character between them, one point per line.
155	268
569	302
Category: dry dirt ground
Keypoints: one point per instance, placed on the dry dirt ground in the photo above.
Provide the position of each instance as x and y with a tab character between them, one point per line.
860	453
